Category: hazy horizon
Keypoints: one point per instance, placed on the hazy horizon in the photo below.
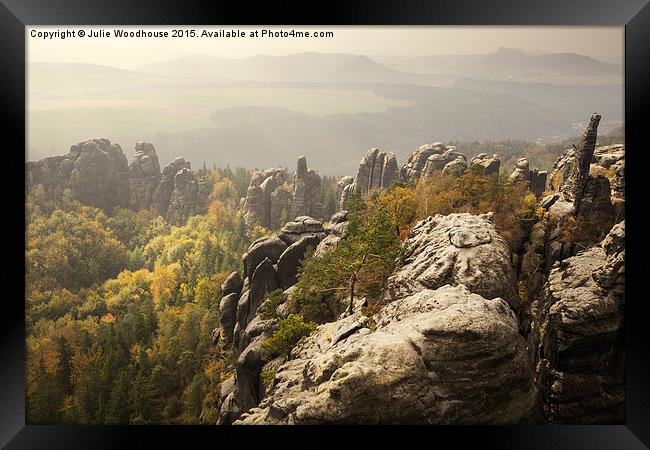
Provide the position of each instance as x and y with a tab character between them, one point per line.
261	102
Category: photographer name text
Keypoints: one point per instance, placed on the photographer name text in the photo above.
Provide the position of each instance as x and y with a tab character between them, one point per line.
176	33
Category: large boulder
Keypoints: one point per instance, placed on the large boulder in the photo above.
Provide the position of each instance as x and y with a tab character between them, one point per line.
443	356
290	259
488	164
455	249
267	247
301	226
232	285
227	317
414	167
531	179
456	167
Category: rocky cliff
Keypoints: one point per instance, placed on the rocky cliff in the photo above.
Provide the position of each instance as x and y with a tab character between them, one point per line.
377	172
270	263
271	200
97	173
579	318
437	353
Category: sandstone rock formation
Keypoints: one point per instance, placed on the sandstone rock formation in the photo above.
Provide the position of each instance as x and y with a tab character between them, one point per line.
610	160
268	198
306	191
415	166
377	172
434	354
144	176
337	231
165	185
406	368
582	198
455	168
455	249
489	164
580	369
404	364
95	172
293	231
574	187
270	263
532	179
342	192
437	157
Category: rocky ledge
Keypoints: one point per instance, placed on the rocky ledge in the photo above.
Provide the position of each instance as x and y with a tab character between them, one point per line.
444	348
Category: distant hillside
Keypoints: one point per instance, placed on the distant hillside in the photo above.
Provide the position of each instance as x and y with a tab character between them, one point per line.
577	102
306	67
46	80
565	63
266	136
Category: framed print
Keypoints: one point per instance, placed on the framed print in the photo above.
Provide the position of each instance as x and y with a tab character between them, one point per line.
250	220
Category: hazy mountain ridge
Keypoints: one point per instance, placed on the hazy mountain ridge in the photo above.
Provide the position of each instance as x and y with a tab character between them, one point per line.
225	110
571	63
313	67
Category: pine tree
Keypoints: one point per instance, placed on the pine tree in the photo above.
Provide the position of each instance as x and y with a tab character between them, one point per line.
44	405
118	411
64	368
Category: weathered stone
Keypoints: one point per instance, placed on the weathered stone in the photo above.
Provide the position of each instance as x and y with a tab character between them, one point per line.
413	169
163	193
377	171
573	189
295	230
455	249
227	319
95	172
436	357
183	201
342	191
290	259
306	195
580	369
232	285
489	164
144	176
270	247
455	168
533	180
268	199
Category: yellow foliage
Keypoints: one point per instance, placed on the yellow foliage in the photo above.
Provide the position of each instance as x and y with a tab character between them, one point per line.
165	283
107	318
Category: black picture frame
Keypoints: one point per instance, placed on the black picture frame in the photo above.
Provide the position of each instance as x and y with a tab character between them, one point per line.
15	15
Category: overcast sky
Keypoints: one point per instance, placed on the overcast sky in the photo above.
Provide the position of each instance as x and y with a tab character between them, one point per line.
600	42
